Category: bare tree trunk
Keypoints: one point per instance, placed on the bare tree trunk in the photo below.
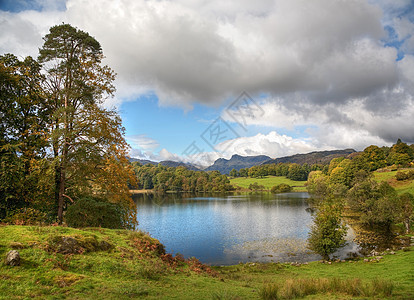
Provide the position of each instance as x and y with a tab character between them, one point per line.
61	193
407	225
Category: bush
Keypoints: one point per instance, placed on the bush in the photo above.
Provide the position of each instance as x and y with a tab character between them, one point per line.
402	176
27	216
95	212
256	187
281	188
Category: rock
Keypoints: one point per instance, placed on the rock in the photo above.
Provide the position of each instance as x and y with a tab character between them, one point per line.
105	246
13	258
69	245
366	260
392	252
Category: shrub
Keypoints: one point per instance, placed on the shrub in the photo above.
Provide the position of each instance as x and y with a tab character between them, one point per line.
27	216
402	176
95	212
256	187
281	188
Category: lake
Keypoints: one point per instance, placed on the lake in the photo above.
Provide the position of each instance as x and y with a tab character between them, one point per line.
226	230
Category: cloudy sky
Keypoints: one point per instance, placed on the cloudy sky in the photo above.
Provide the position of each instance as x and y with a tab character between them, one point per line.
199	79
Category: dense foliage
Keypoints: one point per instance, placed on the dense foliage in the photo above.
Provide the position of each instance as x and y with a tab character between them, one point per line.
57	142
281	188
180	179
327	232
292	171
350	181
95	212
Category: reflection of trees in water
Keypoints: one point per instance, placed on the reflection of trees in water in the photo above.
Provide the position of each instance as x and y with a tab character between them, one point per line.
377	239
163	199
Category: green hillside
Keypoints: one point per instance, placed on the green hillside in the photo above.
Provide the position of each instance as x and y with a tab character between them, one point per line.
268	182
403	186
120	264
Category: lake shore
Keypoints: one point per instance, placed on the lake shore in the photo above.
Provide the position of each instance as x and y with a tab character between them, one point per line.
133	267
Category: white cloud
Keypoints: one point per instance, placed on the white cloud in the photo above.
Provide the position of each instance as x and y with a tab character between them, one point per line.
143	142
322	63
205	51
271	144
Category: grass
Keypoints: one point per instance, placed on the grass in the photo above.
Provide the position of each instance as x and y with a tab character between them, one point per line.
404	186
300	288
268	182
134	268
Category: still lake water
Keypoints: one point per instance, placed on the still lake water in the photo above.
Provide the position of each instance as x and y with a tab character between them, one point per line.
225	230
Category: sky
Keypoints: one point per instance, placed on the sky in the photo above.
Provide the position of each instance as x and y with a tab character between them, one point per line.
198	80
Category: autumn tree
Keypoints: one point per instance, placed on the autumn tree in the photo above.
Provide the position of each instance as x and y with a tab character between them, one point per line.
86	139
375	157
317	183
400	154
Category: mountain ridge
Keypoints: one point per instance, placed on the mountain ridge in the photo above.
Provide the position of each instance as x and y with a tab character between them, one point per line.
237	162
314	157
224	166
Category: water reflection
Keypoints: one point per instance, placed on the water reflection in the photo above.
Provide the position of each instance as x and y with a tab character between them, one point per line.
222	230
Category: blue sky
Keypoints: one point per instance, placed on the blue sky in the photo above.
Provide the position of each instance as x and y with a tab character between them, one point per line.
319	75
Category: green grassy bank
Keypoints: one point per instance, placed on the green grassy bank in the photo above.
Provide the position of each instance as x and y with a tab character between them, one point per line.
268	182
119	264
404	186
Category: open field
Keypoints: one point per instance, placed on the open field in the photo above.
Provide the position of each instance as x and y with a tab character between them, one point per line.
405	186
133	268
268	182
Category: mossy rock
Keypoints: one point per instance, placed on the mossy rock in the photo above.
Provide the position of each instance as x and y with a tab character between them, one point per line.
77	244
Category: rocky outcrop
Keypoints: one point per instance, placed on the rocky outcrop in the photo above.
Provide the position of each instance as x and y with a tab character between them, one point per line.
13	258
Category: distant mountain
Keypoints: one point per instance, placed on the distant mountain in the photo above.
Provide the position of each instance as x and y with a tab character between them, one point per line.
175	164
317	157
143	161
237	162
167	163
240	162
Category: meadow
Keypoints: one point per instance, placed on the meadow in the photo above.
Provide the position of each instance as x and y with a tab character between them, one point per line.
404	186
268	182
132	265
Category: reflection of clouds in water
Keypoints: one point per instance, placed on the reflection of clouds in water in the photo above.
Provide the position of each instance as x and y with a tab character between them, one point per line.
286	249
207	227
275	249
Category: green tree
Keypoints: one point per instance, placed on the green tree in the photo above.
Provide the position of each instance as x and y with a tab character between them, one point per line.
328	232
377	203
233	173
243	173
23	119
297	172
87	140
